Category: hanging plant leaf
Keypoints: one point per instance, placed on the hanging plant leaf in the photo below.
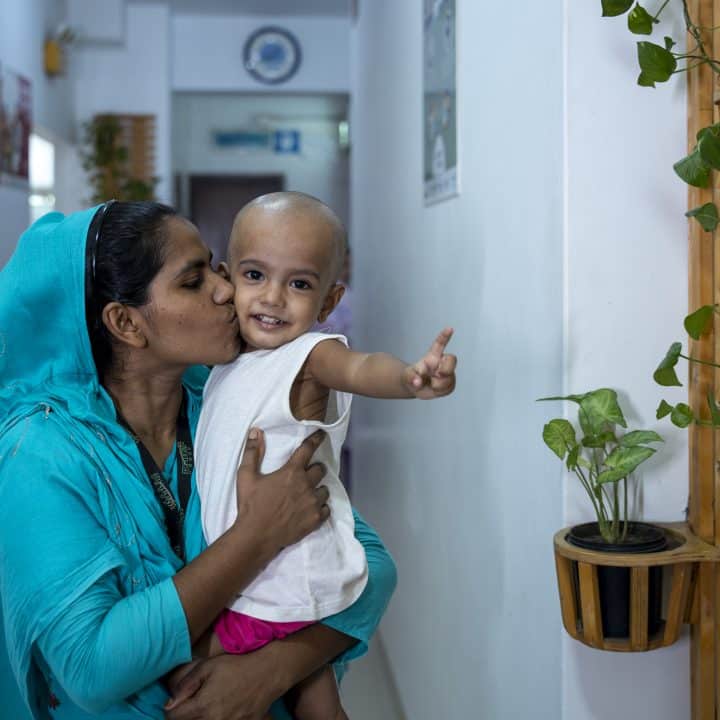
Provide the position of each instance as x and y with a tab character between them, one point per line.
682	415
656	63
640	21
669	42
709	147
663	410
699	322
611	8
693	170
706	215
558	435
665	373
639	437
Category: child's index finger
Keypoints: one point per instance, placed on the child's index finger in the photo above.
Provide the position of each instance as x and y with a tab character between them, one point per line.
440	342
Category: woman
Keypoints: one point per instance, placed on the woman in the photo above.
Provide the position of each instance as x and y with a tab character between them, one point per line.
105	316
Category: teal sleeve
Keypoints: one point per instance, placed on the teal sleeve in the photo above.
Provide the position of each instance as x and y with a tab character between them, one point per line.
361	619
65	583
105	647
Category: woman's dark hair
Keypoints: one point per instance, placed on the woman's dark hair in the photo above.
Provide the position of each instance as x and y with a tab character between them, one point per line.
124	252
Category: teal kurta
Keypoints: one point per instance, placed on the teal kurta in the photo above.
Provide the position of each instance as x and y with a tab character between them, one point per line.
92	618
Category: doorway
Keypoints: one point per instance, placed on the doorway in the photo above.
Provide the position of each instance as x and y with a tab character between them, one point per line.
215	200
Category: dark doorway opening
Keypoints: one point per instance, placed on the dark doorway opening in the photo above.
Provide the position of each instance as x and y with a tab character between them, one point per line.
216	199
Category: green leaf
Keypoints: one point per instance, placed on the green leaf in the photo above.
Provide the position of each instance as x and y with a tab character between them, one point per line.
607	476
693	170
611	8
714	409
558	435
572	458
699	322
682	415
639	437
599	441
706	215
663	410
644	81
665	373
626	459
709	148
574	398
601	407
669	43
656	63
715	129
640	21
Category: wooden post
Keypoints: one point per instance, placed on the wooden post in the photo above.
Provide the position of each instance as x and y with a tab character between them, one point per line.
704	479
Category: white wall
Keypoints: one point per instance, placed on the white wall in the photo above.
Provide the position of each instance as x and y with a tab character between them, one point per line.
131	77
462	490
23	26
207	53
626	284
320	169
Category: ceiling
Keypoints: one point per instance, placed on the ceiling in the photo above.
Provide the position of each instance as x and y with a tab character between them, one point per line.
338	8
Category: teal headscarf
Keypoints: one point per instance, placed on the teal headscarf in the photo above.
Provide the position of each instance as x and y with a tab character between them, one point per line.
52	406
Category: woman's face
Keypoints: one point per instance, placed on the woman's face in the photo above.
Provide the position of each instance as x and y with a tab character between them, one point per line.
190	316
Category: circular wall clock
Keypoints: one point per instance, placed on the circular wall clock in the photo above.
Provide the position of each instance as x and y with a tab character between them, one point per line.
272	55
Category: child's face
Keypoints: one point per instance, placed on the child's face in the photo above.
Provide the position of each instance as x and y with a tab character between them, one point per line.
281	264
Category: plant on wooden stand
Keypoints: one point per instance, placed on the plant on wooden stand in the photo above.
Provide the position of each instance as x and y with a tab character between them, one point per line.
105	159
601	459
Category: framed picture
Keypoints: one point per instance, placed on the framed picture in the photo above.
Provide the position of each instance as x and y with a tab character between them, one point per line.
15	127
440	153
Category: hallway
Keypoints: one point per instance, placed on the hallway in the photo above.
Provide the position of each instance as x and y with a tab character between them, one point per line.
499	171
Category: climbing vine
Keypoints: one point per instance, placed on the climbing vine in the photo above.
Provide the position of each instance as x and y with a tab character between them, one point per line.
658	63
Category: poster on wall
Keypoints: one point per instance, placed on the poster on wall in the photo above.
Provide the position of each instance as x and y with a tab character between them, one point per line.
441	180
15	126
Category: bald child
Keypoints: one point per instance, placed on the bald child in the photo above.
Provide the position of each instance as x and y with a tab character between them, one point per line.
285	256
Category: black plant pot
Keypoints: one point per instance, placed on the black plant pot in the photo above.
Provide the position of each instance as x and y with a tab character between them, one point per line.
614	582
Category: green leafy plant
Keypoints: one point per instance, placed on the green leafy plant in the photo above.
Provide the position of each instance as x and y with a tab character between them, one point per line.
697	324
105	159
658	63
600	458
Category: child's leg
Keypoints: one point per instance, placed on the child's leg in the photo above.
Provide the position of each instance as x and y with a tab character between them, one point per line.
316	698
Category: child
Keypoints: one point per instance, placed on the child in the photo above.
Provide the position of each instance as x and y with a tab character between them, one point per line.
285	254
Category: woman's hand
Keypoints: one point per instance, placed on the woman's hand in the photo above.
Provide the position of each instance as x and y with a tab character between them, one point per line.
285	505
227	687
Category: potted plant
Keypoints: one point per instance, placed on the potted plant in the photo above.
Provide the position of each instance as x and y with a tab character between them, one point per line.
105	158
602	458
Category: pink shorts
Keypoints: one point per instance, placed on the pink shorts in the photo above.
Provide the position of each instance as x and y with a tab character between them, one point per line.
240	634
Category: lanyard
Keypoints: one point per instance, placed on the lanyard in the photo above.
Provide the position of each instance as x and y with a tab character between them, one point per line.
174	513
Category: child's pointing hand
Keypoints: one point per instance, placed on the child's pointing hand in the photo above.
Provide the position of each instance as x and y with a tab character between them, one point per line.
433	376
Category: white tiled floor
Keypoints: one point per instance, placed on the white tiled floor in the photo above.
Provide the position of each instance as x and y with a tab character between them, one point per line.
367	690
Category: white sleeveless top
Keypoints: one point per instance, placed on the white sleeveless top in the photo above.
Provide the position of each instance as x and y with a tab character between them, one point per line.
326	571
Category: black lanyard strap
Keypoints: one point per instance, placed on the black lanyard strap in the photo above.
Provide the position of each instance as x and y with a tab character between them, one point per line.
173	511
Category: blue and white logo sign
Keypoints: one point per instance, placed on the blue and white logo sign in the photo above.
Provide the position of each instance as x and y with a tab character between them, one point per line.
287	141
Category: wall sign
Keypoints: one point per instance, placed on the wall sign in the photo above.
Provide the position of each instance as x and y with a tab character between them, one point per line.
440	173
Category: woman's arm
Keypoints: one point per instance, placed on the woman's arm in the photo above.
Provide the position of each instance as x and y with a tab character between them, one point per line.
61	572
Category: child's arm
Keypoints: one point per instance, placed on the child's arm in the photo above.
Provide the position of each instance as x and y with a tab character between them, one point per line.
384	376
